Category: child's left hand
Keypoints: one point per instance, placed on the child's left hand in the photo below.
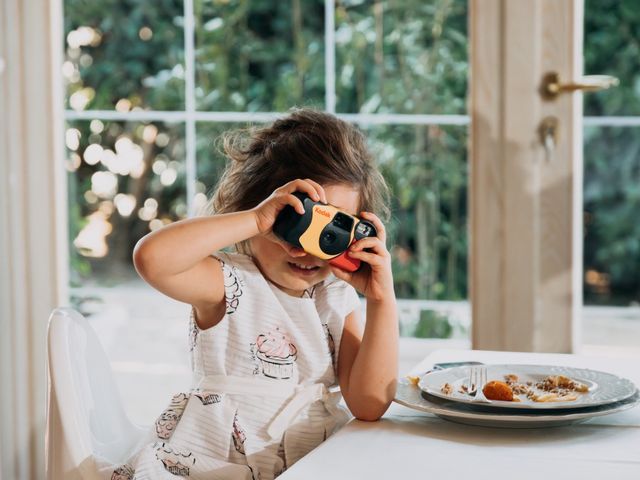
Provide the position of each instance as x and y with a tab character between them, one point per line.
374	278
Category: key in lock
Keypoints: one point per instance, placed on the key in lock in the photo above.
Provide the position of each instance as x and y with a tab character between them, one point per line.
548	132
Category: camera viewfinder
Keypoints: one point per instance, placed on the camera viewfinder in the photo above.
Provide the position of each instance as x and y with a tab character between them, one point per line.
345	222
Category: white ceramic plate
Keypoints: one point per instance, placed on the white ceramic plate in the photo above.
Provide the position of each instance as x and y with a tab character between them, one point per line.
604	388
411	396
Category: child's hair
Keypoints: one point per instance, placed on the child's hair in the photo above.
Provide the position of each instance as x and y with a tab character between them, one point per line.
305	144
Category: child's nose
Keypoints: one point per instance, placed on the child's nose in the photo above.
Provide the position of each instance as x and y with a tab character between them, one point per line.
296	251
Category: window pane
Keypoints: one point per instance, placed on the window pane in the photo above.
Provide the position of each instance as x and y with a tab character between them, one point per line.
611	48
401	57
611	204
612	178
259	56
125	179
210	159
124	55
426	168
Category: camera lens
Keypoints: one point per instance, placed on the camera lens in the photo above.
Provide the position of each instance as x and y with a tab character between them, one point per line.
333	239
328	237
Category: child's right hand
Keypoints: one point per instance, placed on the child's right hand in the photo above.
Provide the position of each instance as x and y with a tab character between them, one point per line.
267	211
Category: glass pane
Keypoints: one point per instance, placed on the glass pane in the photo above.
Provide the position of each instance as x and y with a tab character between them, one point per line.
611	179
426	168
259	56
210	159
401	57
125	179
124	55
611	204
611	48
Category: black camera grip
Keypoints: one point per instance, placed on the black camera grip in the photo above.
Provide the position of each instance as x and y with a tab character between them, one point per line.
290	225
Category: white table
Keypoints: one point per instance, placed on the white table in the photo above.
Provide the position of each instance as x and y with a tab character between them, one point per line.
410	444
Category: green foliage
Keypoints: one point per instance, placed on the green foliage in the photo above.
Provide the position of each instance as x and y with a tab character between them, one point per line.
401	57
259	55
612	218
405	57
433	325
612	47
612	156
119	64
426	169
269	56
153	199
210	159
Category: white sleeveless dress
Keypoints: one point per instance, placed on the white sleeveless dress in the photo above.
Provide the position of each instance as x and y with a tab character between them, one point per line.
265	385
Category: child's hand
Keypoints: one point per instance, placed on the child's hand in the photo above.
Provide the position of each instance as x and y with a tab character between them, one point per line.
373	279
267	211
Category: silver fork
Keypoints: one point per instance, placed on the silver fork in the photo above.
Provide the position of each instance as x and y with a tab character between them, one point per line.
476	382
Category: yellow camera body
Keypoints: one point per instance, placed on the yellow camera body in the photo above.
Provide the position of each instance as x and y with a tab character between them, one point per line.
323	231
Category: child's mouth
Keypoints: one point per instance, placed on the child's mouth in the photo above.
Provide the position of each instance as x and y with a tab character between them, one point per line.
302	269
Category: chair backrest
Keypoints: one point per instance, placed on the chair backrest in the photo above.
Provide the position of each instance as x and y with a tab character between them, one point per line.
83	397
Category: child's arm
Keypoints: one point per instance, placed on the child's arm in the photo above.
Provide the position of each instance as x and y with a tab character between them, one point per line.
368	363
177	260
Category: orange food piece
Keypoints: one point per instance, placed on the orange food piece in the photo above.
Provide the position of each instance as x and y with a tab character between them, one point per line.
496	390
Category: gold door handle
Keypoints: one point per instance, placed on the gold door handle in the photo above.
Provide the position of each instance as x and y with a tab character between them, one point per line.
552	86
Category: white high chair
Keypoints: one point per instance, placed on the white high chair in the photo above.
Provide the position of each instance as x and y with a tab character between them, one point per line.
85	415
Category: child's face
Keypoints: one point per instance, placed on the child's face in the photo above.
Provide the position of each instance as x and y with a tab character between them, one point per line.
281	262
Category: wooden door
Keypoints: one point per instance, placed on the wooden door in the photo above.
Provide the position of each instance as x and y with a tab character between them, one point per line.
525	202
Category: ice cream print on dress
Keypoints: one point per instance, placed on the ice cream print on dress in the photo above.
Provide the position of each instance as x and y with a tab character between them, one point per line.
123	472
232	287
238	436
276	354
193	332
208	398
167	421
331	343
174	461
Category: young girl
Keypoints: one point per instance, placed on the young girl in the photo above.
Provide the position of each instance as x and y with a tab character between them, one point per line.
273	329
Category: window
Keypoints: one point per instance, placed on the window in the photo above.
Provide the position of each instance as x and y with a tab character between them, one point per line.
612	178
150	85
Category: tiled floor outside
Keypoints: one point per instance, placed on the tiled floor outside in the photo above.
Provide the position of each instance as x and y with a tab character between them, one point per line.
144	335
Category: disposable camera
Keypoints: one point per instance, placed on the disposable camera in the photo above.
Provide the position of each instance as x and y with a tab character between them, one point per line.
323	231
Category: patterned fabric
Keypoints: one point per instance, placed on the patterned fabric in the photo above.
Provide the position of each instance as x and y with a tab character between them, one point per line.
269	343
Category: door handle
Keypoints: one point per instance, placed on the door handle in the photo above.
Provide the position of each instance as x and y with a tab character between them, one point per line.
552	86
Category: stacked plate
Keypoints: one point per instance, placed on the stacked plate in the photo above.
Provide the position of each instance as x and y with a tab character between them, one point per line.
444	393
